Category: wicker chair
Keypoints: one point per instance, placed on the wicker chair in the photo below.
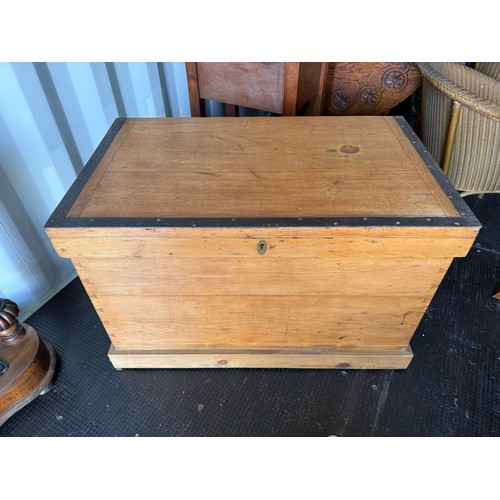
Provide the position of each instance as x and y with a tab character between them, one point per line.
461	124
489	68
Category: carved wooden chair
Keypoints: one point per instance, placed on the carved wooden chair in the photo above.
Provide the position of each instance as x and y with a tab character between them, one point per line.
335	88
368	88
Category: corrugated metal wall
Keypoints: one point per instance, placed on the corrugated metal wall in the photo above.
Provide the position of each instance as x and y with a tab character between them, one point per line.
52	117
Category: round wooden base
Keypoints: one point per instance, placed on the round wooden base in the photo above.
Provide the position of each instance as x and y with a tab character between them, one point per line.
31	365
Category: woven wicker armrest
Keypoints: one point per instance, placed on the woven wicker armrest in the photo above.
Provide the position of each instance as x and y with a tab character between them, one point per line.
459	93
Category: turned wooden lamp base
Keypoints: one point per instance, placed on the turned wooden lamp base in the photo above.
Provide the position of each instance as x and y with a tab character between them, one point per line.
27	362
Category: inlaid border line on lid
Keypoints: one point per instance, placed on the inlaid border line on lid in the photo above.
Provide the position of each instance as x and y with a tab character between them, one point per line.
59	216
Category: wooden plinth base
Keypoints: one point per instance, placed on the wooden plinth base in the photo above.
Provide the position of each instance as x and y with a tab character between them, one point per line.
259	358
32	364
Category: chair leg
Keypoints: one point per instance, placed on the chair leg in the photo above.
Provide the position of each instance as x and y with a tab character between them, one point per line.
450	139
315	105
232	110
291	89
196	104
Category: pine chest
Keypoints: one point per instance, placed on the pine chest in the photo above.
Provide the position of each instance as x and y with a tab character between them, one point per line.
301	242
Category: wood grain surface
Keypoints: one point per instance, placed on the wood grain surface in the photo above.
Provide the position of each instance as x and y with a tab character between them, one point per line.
286	276
368	88
257	85
196	302
222	321
334	231
111	247
261	359
93	182
264	167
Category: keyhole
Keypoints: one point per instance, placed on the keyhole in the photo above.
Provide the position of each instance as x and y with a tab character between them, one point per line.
262	247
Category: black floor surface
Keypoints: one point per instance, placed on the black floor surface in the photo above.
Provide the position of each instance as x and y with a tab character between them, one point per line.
451	387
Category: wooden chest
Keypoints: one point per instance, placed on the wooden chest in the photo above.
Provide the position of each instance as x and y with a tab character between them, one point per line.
303	242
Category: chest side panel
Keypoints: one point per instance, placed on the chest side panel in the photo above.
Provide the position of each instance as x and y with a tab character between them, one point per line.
351	293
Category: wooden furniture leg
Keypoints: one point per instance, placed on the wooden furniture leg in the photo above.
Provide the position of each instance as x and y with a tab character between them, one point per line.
196	104
27	363
450	139
232	110
315	105
290	96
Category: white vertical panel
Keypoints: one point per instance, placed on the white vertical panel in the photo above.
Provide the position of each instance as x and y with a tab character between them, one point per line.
88	95
123	89
52	117
72	121
178	94
102	82
17	279
30	146
30	139
145	86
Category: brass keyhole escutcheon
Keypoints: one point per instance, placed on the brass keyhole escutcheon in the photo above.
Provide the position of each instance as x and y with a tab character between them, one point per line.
261	247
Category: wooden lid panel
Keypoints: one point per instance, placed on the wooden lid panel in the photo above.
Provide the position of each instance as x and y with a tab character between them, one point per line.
263	194
263	167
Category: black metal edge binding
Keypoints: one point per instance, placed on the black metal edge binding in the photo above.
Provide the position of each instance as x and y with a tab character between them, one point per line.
59	219
59	214
444	183
271	222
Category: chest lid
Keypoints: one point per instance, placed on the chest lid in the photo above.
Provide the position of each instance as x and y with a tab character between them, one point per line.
266	170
